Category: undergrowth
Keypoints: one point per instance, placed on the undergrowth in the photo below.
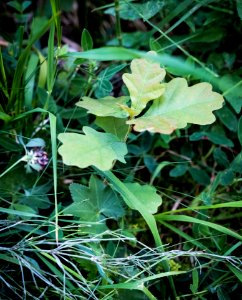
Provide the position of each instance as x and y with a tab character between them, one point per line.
120	140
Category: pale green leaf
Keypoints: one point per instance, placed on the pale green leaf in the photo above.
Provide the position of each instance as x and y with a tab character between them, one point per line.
144	84
108	106
180	105
92	149
113	125
147	195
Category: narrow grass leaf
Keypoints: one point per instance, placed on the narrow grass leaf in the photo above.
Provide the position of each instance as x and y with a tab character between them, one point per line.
20	213
30	80
237	204
16	83
138	284
237	273
50	60
119	53
55	5
183	218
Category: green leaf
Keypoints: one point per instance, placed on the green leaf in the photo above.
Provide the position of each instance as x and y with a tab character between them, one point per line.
200	176
239	8
30	80
221	157
144	82
86	40
240	131
43	70
21	213
136	11
158	169
178	106
228	118
236	272
217	138
105	107
51	66
37	24
231	85
25	209
121	53
226	177
195	280
4	116
93	148
236	164
178	170
133	201
35	197
15	5
183	218
116	126
95	202
103	86
25	5
147	195
10	144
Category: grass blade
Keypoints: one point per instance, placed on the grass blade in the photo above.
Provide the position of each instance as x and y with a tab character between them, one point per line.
183	218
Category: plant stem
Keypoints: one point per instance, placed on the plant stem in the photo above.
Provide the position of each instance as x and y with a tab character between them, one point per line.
118	23
17	162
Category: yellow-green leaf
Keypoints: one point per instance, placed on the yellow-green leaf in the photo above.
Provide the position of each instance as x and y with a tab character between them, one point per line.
144	84
92	149
105	107
147	195
180	105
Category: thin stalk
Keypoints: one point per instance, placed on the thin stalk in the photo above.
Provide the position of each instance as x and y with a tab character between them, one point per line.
55	5
118	23
91	68
13	165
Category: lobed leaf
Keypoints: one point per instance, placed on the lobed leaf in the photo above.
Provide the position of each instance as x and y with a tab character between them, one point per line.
92	149
105	107
94	202
116	126
178	106
147	195
144	82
